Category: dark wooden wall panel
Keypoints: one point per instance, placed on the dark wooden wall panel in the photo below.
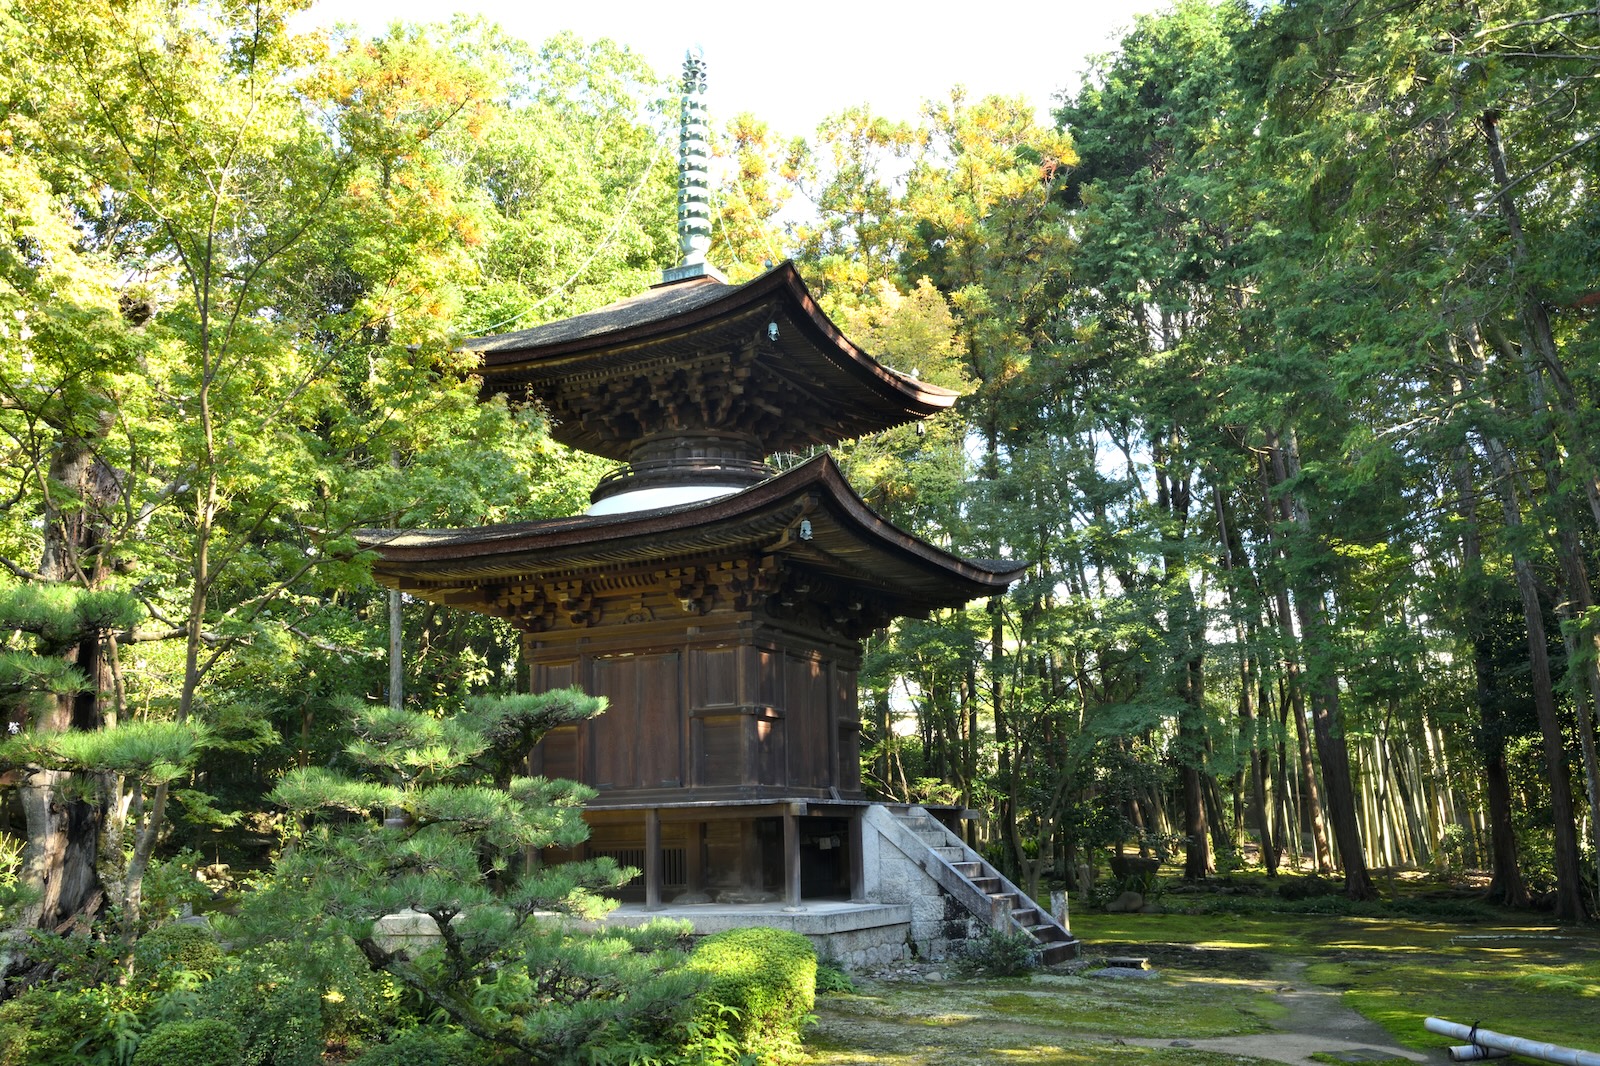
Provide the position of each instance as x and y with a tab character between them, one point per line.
659	736
638	741
763	707
613	737
560	750
716	677
722	751
769	673
556	675
809	747
847	722
771	766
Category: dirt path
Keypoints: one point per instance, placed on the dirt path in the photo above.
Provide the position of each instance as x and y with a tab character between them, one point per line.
916	1019
1317	1022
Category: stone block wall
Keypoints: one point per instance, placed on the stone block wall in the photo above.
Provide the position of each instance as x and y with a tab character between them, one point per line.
862	949
939	924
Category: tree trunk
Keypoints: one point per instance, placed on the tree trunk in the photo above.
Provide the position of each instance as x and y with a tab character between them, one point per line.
1233	559
1311	806
1324	684
1543	358
1011	838
397	667
61	855
1569	879
1505	882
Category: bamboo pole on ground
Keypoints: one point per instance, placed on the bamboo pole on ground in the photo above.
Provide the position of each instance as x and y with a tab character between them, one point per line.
1516	1045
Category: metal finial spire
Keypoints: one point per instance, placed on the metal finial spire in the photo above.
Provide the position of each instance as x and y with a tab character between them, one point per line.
694	178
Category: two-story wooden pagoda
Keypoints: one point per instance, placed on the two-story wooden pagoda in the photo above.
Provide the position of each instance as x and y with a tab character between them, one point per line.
717	605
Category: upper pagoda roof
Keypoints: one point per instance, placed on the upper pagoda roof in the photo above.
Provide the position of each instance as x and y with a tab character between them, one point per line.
809	516
758	360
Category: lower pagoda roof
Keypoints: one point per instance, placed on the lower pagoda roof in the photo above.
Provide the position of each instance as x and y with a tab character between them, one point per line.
801	528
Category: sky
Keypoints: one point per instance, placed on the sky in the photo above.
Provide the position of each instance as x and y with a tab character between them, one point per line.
792	64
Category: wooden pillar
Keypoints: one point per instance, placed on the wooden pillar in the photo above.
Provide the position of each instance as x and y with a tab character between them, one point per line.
791	858
652	859
858	859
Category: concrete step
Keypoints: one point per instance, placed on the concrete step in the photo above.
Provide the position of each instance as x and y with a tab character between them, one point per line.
1007	900
989	886
1054	953
953	854
1051	934
969	870
1027	917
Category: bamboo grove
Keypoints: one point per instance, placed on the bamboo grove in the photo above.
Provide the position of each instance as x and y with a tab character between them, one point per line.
1279	341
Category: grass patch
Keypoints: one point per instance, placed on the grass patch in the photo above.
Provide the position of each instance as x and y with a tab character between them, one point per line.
1219	973
848	1040
1163	1008
1398	971
1505	1000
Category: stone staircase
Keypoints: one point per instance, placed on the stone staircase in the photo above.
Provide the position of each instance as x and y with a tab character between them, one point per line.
980	887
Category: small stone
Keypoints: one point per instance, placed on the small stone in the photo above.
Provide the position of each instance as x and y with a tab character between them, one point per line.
1123	973
1181	1043
935	975
1127	903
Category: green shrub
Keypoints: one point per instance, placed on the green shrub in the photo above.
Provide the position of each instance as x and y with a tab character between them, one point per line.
997	954
14	895
423	1047
29	1033
77	961
1309	887
833	981
168	951
61	1026
1338	905
760	989
207	1042
278	1015
661	934
170	887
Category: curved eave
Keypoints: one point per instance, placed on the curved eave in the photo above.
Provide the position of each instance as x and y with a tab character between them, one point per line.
848	540
637	331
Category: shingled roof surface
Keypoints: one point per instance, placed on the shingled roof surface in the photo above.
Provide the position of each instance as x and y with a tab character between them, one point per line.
657	304
759	360
849	537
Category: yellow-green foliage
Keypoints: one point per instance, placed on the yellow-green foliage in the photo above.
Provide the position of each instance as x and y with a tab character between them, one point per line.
761	985
26	1032
422	1047
177	948
208	1042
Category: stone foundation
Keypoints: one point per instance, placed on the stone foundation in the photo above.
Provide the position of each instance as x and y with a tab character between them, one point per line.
905	914
939	924
855	935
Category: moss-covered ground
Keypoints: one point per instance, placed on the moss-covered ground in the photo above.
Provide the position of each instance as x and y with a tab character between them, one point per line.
1517	975
1219	976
